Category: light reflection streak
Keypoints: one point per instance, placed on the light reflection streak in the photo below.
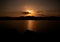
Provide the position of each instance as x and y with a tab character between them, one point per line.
31	25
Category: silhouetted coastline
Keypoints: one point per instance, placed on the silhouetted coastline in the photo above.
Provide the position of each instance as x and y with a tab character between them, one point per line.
30	18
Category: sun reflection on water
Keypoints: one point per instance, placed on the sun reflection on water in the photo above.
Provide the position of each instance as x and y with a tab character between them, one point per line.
31	25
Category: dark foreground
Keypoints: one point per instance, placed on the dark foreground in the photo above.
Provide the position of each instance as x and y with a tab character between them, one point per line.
13	34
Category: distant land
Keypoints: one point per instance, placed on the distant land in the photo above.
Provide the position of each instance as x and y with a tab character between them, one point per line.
30	18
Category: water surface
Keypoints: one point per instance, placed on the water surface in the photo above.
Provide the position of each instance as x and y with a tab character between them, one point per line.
33	25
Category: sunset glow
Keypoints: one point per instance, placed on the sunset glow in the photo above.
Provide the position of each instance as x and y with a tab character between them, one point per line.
31	12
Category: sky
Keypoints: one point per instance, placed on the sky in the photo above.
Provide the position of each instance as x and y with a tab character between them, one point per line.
22	5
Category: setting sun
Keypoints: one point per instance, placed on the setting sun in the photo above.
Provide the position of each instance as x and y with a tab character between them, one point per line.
30	11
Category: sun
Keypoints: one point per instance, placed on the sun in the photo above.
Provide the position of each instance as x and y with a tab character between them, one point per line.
30	11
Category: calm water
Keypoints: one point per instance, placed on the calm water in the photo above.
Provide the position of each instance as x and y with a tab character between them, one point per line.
33	25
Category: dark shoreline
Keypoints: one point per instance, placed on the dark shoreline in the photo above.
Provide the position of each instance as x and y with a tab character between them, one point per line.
30	18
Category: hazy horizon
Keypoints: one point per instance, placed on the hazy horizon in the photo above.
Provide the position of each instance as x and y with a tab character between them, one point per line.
42	13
